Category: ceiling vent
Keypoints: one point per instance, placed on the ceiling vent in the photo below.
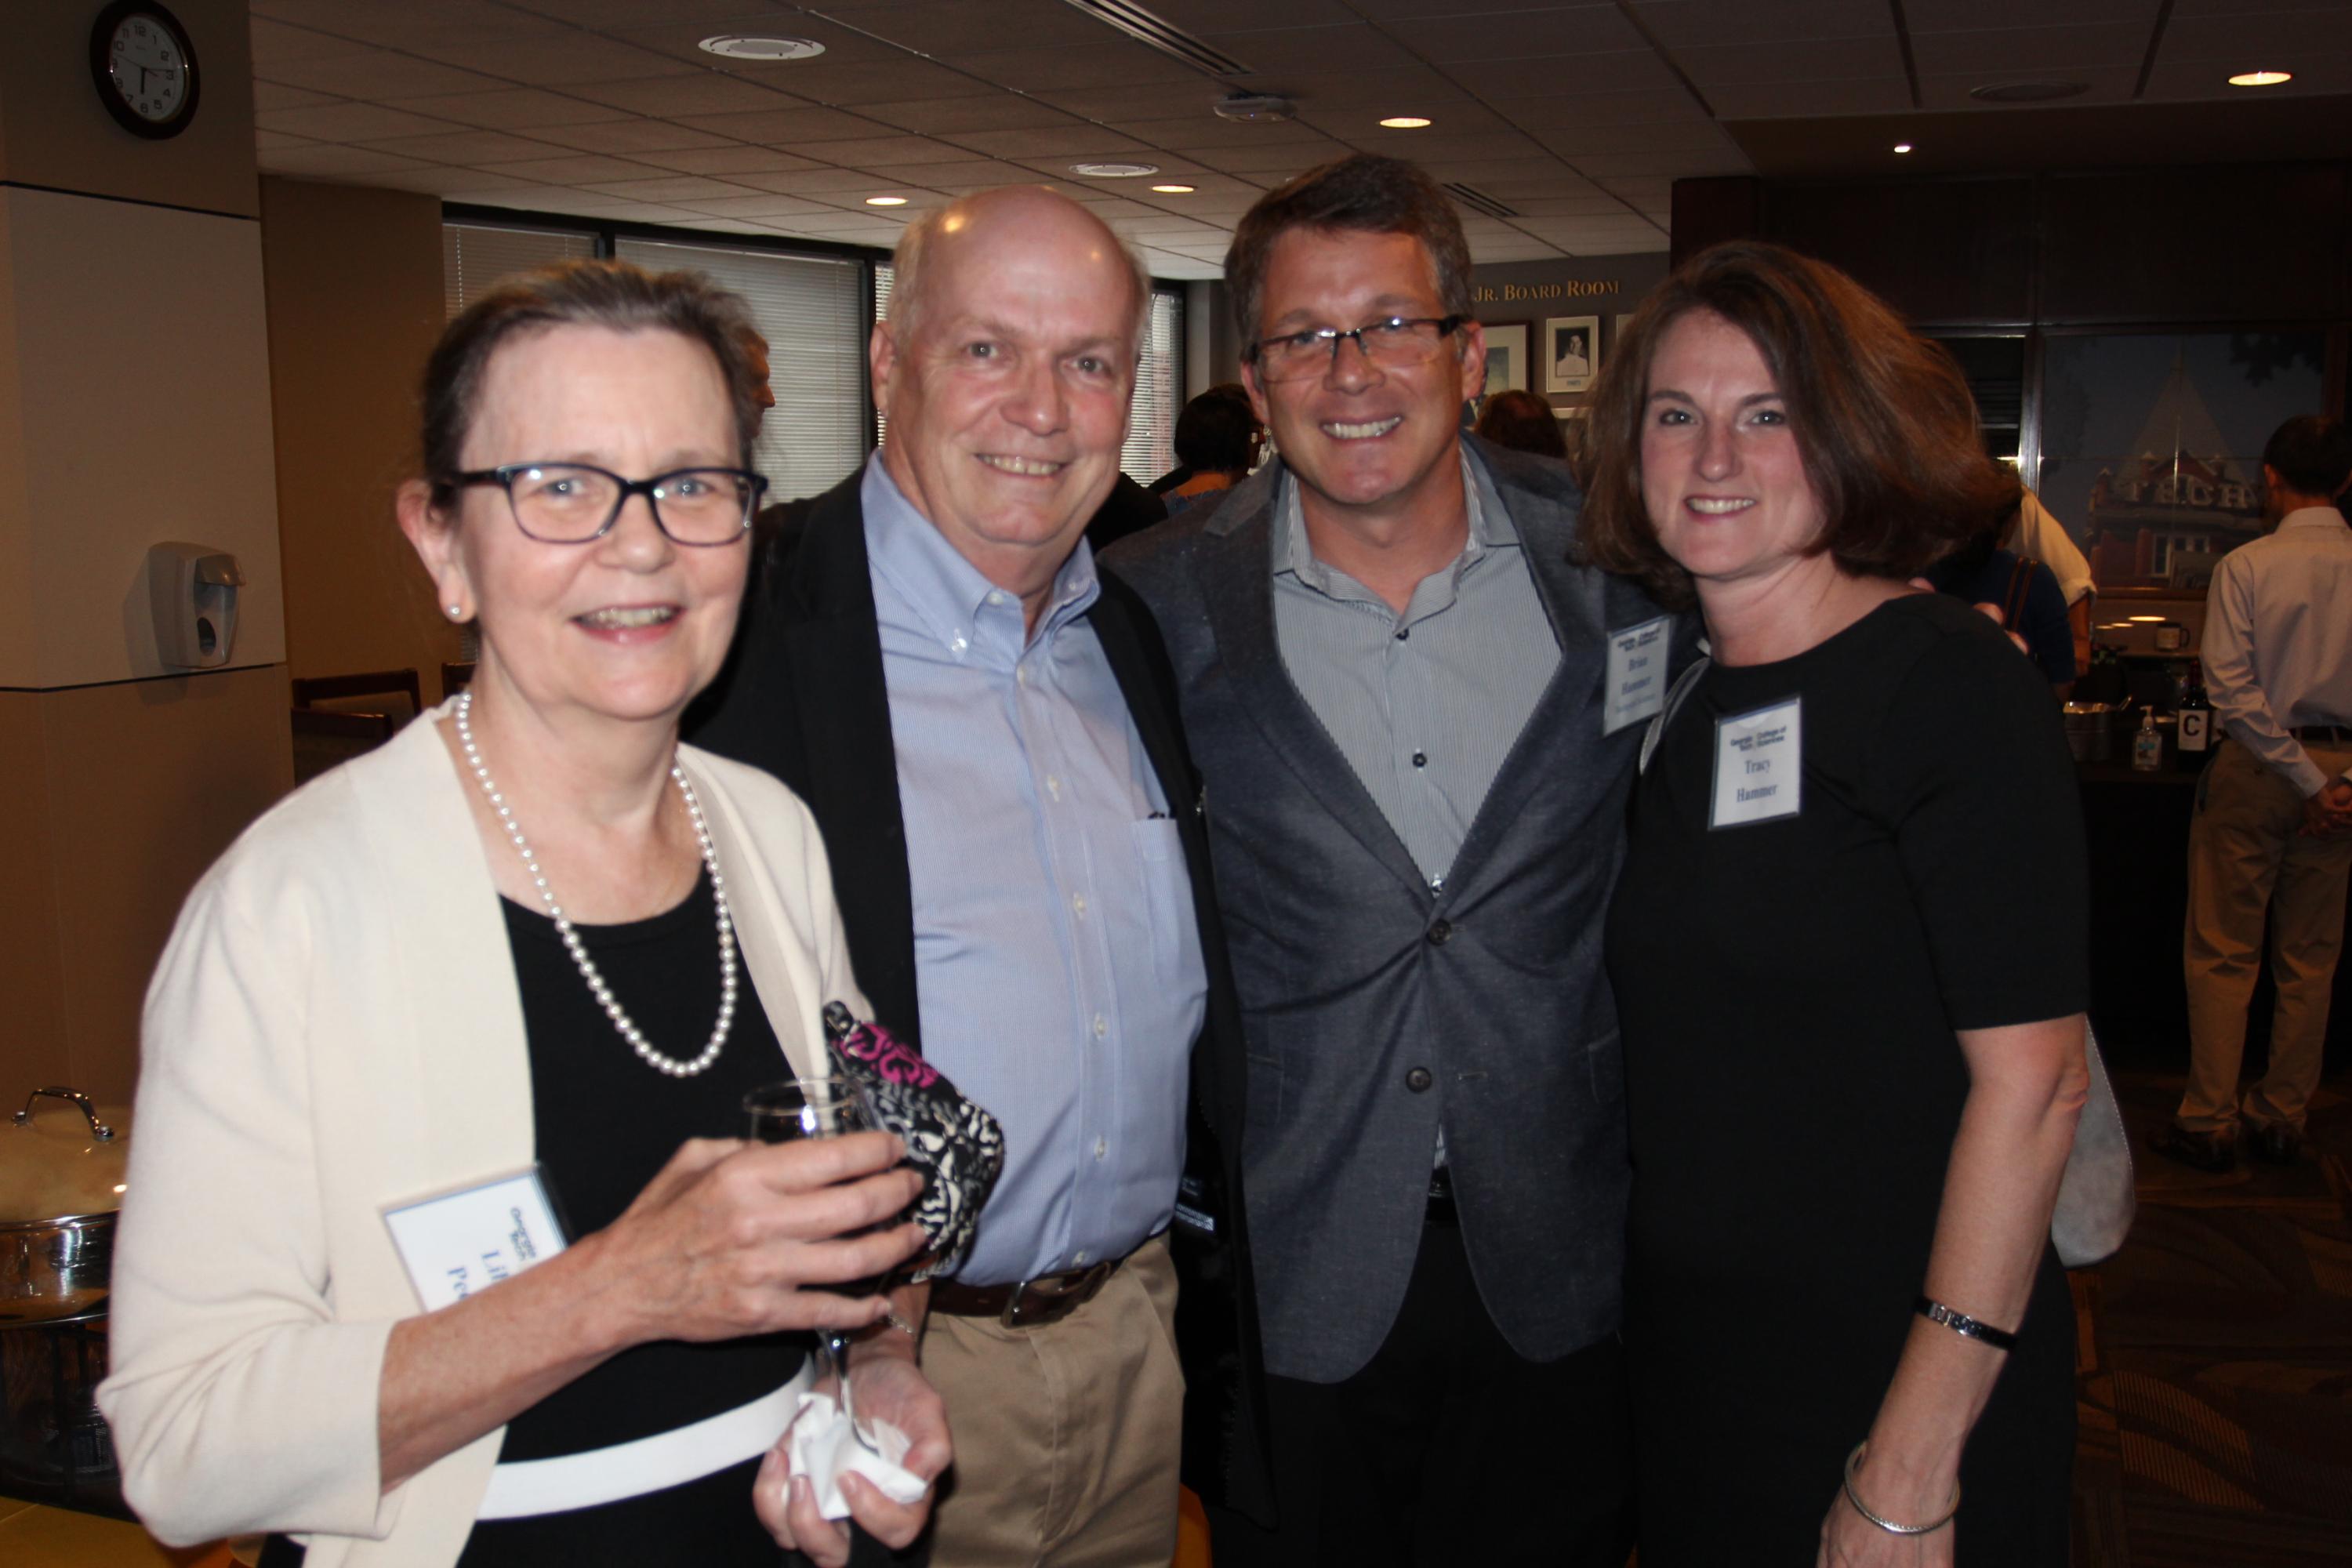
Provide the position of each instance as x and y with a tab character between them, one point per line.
1479	201
2028	91
1163	35
1253	107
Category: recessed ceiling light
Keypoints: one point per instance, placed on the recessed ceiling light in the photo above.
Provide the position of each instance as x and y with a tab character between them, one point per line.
1903	146
2028	91
1110	171
886	201
1405	122
741	47
2146	619
2260	78
1173	190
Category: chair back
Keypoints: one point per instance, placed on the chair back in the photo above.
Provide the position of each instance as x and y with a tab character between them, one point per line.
362	693
323	738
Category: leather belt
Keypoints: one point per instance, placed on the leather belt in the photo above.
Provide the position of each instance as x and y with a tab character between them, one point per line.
1031	1304
1441	1210
2334	734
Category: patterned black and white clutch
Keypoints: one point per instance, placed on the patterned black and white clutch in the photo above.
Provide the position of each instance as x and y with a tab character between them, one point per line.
958	1146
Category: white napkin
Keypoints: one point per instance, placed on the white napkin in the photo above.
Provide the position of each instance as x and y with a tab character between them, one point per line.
821	1446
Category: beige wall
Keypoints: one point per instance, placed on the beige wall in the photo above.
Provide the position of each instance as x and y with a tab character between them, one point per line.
55	132
32	975
354	303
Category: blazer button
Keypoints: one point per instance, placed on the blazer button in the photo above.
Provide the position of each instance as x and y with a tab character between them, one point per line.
1439	931
1418	1081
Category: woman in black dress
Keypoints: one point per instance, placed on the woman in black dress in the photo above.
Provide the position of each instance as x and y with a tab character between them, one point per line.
1849	951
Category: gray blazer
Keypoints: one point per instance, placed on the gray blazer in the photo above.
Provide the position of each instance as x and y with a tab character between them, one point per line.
1373	1009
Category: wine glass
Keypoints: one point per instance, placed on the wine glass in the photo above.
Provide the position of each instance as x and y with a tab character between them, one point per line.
818	1108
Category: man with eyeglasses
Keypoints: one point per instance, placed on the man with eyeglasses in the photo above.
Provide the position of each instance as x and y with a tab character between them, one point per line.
984	732
1417	721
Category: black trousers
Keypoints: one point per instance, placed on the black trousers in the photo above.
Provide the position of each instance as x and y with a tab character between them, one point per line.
1447	1449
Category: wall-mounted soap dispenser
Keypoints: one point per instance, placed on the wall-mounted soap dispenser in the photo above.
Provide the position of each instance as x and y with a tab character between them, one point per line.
192	590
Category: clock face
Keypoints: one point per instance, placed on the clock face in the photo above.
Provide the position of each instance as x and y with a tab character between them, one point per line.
148	67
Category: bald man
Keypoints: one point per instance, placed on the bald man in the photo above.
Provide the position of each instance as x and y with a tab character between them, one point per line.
985	733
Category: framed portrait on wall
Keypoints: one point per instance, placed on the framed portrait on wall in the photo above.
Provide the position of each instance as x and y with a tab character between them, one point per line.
1506	358
1571	346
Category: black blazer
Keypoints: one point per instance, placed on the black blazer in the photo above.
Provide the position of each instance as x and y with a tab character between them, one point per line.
802	696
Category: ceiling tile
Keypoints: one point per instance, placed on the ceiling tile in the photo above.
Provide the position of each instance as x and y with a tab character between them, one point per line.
1698	136
1738	65
1925	17
1073	67
1656	244
2106	84
1202	17
708	93
1699	24
763	206
467	147
347	122
432	180
555	59
1051	142
570	171
1660	106
273	140
946	29
1601	204
375	74
509	109
2190	79
1505	35
893	80
628	136
730	160
680	35
321	158
949	116
786	127
1279	52
1810	99
380	21
1428	147
730	225
883	152
965	173
651	212
274	43
809	182
1138	100
269	95
2011	53
1286	157
1687	165
611	14
527	197
2256	30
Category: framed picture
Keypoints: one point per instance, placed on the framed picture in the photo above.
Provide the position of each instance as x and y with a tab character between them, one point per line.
1506	358
1571	347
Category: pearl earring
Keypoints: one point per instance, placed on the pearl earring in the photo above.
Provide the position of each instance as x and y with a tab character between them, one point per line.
456	612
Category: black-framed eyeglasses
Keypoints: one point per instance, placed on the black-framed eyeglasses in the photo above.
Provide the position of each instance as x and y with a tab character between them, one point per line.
572	503
1393	343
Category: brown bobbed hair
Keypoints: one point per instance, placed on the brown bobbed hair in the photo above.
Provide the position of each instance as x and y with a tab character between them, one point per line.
1367	194
1522	421
611	294
1882	418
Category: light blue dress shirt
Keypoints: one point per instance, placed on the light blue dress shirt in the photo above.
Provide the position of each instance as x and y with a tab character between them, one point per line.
1056	961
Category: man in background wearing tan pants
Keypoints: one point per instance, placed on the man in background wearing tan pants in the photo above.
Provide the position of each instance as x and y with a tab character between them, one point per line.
2273	824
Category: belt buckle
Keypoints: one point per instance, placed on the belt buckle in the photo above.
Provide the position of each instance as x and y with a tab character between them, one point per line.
1011	1316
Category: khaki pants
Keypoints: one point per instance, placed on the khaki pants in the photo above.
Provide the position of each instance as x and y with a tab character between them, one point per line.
1067	1437
2244	858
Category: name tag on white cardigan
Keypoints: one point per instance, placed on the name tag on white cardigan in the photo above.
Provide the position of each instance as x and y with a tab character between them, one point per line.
454	1244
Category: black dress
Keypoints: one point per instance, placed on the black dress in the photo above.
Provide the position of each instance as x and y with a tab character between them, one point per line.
1789	991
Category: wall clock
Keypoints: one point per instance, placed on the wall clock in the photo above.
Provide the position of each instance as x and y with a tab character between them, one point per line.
145	68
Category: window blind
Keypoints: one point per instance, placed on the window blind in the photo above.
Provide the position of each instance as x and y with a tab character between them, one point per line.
1150	448
476	255
809	310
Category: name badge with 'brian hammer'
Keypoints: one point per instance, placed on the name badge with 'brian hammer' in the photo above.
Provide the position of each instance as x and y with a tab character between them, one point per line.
456	1243
1758	766
1637	673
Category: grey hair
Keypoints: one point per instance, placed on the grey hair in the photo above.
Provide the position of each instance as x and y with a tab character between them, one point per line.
906	271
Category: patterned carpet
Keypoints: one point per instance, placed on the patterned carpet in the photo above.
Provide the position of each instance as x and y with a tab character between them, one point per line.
2216	1359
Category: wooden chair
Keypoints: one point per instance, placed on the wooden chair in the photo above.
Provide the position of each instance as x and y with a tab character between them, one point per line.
456	678
323	738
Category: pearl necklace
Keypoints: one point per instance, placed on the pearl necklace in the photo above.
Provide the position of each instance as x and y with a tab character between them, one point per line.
571	942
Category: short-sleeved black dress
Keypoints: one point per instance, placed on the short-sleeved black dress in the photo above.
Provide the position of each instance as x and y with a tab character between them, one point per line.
1789	991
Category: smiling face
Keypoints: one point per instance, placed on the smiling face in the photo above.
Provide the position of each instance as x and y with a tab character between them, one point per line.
1007	397
629	626
1366	440
1723	478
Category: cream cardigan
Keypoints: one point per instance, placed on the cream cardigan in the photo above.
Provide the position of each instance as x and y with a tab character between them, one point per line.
334	1027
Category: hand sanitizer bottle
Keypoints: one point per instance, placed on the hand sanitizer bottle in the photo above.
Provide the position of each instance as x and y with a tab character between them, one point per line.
2148	746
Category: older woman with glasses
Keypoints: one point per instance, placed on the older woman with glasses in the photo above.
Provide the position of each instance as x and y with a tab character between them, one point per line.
510	977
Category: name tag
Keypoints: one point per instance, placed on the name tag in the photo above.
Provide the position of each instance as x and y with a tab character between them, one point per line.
454	1244
1637	686
1759	761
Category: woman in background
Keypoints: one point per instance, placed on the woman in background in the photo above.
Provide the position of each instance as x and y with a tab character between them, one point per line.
1848	950
530	932
1523	422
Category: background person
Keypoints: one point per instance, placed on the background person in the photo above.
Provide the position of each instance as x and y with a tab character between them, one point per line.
981	729
2024	591
1854	1052
1219	438
1523	422
2274	825
366	1002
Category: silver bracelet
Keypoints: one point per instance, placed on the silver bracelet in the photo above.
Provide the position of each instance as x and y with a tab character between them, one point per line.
1888	1525
899	1323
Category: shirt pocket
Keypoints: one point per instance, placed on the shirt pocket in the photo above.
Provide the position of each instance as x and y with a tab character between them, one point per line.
1168	896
